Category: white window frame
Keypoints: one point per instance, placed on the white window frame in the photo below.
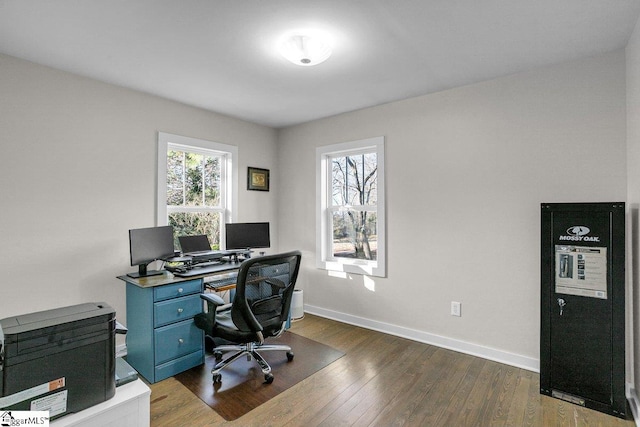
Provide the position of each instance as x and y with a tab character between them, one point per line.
229	175
324	236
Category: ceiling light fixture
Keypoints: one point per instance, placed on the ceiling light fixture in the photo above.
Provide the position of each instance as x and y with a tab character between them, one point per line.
305	50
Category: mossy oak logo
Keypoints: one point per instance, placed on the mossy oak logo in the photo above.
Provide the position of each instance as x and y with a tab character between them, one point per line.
579	233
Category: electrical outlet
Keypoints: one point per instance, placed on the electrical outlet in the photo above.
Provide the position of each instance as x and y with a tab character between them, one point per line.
456	308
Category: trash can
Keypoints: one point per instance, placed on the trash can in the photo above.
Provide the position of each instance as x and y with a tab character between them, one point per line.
297	306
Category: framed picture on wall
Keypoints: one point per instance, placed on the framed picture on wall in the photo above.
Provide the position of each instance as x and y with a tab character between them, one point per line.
257	179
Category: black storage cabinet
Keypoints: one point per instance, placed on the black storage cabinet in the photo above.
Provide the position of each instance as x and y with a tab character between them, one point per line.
66	355
582	338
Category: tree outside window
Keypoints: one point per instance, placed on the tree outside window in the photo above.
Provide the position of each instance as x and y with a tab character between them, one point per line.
193	194
354	196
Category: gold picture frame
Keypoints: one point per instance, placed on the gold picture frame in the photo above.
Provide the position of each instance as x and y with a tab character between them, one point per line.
257	179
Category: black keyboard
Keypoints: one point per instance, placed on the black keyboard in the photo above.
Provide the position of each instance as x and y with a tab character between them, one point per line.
206	264
221	280
197	270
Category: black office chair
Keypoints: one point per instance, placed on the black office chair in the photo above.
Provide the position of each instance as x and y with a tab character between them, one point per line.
259	310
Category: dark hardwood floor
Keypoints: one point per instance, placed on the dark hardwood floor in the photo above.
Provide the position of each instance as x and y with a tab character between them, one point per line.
388	381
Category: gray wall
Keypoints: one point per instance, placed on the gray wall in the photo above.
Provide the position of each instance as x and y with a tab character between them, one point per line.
467	170
78	170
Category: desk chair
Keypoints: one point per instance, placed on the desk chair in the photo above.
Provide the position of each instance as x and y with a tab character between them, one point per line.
259	310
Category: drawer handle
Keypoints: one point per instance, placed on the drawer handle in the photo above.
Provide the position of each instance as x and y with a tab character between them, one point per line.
180	310
180	340
180	290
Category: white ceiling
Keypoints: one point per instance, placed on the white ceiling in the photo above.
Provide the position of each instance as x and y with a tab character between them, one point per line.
220	54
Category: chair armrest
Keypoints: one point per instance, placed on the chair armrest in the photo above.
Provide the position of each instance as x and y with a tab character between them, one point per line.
222	308
212	299
276	282
207	320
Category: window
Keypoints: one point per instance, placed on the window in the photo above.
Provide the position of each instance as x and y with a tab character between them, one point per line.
351	224
196	184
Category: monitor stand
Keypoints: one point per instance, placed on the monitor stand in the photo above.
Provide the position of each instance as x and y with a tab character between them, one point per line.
143	272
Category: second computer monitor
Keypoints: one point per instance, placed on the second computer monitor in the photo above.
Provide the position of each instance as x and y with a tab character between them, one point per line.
197	243
247	235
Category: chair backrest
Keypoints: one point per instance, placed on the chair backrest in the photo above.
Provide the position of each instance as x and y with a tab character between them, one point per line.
264	290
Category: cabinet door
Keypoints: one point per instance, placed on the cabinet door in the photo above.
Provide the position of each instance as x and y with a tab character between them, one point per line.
581	324
582	305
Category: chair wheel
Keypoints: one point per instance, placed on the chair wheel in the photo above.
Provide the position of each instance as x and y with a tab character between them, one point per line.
289	356
217	355
268	378
217	378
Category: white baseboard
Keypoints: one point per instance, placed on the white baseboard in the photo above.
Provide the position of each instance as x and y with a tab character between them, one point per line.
505	357
634	403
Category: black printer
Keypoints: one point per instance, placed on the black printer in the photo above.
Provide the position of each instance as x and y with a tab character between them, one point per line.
60	360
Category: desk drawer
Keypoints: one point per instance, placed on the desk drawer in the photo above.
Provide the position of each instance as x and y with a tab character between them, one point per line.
272	270
161	293
176	366
176	310
177	340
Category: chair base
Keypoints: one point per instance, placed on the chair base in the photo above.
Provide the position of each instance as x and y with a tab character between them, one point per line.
250	350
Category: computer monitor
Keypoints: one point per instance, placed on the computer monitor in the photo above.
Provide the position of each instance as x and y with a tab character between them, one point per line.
198	243
247	235
147	245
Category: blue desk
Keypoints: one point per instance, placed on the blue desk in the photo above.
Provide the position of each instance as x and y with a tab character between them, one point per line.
162	339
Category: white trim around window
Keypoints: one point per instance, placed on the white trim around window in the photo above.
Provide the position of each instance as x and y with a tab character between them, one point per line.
230	152
324	233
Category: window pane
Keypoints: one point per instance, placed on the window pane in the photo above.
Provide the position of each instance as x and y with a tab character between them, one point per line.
175	178
194	223
212	181
338	181
355	235
193	179
354	180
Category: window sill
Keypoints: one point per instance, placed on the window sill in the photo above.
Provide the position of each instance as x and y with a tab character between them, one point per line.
353	266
